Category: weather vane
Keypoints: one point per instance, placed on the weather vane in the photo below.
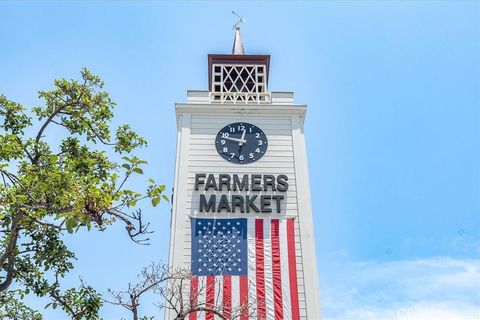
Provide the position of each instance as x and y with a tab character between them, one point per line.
241	19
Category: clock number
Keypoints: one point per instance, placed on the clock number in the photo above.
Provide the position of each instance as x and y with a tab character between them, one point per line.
241	143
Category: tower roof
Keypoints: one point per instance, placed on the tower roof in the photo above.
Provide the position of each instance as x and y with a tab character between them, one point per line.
237	42
238	77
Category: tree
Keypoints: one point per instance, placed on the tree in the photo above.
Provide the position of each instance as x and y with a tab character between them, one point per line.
53	185
151	279
172	285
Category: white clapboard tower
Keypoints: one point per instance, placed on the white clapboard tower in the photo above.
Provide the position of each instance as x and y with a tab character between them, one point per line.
238	93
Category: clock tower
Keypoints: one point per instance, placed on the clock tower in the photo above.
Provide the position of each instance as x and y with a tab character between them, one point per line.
242	218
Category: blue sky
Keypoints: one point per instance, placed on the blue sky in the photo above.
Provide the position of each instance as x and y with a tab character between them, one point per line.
393	133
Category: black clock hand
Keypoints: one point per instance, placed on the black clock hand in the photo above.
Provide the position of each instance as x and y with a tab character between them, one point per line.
242	139
240	149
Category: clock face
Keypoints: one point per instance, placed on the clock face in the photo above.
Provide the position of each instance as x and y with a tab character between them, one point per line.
241	142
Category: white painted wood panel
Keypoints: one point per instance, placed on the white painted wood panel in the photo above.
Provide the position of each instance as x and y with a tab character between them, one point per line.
279	159
272	130
201	157
203	137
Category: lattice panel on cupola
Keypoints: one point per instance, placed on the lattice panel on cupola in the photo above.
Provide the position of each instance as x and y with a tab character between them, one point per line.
239	84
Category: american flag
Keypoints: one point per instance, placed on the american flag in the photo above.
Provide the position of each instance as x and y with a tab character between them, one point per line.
244	265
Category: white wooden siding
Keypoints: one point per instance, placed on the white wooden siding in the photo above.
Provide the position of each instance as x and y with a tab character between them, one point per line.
201	157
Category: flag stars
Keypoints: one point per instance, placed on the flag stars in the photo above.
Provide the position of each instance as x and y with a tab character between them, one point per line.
219	247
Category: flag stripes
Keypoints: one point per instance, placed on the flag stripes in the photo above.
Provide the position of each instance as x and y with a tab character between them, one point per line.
267	290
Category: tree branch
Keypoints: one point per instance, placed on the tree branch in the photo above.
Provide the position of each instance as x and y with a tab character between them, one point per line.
133	232
9	254
50	118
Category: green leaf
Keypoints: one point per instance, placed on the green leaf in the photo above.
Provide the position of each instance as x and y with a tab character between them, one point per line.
71	178
71	223
165	198
137	170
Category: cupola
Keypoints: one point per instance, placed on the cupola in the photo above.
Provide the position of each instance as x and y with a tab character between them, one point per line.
238	77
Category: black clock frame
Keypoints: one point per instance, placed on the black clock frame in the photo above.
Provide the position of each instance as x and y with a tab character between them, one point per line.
228	145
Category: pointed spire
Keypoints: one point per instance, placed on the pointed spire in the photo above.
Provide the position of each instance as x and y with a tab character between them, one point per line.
238	43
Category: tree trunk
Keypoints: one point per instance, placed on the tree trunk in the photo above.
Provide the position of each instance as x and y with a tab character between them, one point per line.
133	300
